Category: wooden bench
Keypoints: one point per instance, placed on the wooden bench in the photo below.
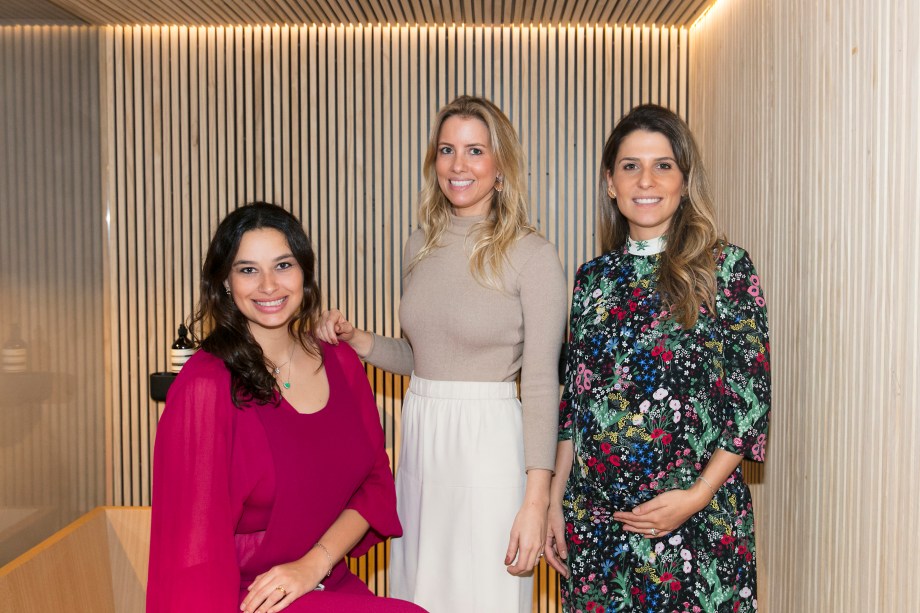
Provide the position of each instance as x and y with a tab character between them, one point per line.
98	563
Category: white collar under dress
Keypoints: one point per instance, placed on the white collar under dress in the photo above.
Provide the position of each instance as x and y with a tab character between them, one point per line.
647	247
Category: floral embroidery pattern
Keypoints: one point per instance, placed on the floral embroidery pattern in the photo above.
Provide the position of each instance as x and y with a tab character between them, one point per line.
646	403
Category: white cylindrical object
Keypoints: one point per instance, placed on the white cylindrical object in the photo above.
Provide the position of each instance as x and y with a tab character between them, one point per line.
178	358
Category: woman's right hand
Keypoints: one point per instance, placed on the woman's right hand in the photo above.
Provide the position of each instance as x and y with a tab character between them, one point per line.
555	551
333	327
275	589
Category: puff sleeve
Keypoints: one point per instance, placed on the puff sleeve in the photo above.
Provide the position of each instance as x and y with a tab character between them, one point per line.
192	554
375	497
745	380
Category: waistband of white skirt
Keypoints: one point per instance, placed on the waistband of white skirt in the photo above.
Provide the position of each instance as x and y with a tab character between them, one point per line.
462	389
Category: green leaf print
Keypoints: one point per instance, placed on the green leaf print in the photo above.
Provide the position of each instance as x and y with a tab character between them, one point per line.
757	409
641	547
731	258
644	267
591	279
718	595
710	432
606	286
604	414
614	378
622	590
578	441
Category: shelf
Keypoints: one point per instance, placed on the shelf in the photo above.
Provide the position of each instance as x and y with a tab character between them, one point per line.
159	384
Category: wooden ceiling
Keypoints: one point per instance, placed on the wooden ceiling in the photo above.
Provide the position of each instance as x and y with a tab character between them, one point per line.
296	12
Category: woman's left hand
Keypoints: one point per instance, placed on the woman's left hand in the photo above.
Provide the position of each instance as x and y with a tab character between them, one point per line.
275	589
528	535
664	513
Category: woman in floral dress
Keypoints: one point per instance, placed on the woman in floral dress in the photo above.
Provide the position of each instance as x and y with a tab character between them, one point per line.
667	387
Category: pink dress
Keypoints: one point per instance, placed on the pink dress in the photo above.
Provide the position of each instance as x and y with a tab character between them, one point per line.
218	518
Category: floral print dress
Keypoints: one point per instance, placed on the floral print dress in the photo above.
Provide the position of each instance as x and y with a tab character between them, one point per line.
646	403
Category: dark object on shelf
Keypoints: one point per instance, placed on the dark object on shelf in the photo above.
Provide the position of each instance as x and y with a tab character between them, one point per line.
159	384
182	349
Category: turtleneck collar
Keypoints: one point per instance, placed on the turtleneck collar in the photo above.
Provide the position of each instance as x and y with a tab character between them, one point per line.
646	247
462	225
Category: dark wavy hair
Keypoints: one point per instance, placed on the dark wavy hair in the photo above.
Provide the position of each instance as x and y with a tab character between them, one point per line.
687	275
224	330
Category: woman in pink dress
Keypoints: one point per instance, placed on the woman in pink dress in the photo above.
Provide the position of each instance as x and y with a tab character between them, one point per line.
269	463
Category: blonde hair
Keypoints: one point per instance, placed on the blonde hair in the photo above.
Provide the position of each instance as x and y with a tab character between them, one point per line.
507	221
687	275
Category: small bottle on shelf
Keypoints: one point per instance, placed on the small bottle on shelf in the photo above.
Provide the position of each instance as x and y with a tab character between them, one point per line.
182	349
15	352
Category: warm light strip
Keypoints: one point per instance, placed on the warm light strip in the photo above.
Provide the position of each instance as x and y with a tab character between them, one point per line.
703	15
380	24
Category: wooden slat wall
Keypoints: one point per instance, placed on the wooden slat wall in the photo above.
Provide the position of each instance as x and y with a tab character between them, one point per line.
810	132
332	122
51	281
670	13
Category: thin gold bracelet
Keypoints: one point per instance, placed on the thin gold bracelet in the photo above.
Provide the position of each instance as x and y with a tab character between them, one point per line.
328	556
704	480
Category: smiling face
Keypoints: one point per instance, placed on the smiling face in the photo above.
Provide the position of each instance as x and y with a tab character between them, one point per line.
466	165
647	182
265	281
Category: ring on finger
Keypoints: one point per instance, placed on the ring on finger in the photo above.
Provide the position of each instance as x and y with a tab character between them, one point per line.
283	591
654	532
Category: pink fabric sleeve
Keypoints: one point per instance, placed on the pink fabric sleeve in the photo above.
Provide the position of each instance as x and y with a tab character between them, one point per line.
192	553
375	498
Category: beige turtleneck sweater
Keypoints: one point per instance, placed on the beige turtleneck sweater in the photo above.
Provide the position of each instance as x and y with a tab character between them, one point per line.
458	330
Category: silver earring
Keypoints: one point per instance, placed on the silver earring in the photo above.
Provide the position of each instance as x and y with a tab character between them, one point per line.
227	289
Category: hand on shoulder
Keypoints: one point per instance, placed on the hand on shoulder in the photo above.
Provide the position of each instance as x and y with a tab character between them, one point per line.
334	327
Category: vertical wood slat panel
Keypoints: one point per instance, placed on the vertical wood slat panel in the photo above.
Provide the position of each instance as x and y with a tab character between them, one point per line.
332	123
52	417
811	136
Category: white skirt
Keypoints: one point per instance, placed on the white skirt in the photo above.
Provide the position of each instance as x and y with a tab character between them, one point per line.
459	486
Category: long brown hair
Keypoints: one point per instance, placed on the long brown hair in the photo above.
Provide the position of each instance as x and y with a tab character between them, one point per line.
687	274
224	330
507	220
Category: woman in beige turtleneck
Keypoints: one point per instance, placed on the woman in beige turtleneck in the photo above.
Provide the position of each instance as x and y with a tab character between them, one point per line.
484	300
